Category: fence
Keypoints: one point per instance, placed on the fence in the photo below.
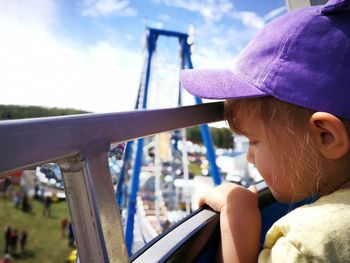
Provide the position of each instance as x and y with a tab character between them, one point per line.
80	145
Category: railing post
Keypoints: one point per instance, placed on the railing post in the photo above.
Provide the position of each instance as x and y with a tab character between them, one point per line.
91	202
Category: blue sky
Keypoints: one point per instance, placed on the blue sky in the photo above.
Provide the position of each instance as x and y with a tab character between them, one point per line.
88	54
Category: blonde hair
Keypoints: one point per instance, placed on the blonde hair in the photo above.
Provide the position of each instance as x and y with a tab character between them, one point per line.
281	122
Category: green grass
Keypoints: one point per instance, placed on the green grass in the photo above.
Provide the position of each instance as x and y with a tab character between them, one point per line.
45	242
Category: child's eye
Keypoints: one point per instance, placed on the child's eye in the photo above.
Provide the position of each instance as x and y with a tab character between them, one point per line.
252	143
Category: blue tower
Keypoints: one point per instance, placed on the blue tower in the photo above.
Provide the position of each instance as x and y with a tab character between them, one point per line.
141	103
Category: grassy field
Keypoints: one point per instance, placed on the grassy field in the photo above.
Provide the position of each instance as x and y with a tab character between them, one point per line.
45	242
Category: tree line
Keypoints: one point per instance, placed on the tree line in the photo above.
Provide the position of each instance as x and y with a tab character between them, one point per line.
222	137
11	112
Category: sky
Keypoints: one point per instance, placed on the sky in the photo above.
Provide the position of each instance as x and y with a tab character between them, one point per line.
88	54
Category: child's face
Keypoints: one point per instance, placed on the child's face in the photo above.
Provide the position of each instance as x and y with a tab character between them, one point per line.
263	153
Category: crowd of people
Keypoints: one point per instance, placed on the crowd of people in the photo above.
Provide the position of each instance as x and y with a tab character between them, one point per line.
21	201
15	238
15	241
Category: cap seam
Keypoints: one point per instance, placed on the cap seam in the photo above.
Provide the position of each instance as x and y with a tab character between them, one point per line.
260	80
243	78
273	72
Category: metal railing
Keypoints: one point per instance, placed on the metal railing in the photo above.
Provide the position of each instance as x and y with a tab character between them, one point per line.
80	145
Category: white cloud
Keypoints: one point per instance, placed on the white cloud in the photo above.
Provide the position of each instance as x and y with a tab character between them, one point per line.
211	10
249	19
38	68
164	17
217	45
222	47
274	13
41	13
215	10
155	24
97	8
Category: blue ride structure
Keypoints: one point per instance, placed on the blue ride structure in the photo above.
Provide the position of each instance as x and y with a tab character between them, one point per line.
141	103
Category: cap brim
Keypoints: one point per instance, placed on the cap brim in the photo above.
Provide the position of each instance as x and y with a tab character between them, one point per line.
217	84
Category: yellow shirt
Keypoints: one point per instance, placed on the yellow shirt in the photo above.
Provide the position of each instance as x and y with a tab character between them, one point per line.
319	232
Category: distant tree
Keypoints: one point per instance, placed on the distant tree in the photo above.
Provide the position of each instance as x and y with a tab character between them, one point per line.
193	134
227	138
222	137
9	112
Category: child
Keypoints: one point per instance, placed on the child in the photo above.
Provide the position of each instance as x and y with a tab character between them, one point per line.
290	95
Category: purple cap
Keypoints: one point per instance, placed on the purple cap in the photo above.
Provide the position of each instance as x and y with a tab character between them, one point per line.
301	58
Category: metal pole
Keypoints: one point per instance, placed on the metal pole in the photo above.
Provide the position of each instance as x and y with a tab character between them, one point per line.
185	170
91	202
151	44
157	189
214	170
121	179
129	232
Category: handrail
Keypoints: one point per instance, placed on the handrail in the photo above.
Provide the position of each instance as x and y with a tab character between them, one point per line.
28	142
80	144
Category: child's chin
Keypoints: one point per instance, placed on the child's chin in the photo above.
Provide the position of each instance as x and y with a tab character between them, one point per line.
285	198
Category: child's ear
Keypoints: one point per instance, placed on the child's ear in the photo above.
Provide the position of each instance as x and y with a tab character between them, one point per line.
330	134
